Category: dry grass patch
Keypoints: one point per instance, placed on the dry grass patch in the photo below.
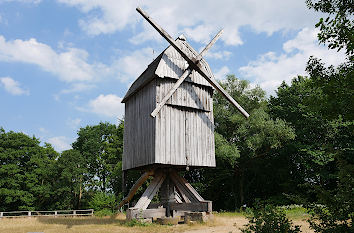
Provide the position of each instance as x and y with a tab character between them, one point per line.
220	223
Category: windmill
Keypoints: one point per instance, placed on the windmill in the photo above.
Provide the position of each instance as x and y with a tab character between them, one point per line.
169	126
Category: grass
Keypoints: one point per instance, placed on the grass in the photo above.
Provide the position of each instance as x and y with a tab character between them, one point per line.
296	212
223	222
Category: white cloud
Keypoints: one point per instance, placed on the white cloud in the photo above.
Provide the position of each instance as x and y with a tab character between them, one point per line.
129	67
221	74
23	1
60	143
270	69
70	65
12	86
73	123
223	54
106	105
200	21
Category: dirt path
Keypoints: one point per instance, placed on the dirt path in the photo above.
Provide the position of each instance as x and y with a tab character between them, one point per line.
221	224
234	224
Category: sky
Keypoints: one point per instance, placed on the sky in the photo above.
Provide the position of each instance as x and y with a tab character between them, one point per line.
65	64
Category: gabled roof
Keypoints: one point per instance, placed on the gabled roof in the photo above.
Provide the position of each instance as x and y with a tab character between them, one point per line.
170	64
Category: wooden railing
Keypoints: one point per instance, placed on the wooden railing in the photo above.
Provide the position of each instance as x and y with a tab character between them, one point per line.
54	213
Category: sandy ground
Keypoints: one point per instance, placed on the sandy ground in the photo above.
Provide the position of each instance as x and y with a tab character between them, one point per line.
118	224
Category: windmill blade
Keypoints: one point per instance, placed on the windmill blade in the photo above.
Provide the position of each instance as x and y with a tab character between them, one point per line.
184	76
193	63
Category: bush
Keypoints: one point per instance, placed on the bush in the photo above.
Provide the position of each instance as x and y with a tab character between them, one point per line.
103	201
269	220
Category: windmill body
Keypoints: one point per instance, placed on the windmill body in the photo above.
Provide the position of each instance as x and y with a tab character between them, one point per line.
169	126
182	133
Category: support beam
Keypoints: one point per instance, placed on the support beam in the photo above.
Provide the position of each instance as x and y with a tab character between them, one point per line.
135	187
150	192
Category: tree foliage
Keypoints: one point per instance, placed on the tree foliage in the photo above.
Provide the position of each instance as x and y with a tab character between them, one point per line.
25	171
269	219
337	29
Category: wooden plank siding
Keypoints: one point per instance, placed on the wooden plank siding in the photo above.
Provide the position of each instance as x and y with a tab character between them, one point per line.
182	133
139	128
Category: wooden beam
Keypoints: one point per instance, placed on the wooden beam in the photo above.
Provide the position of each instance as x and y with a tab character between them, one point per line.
150	192
135	187
193	62
196	206
187	185
148	213
184	76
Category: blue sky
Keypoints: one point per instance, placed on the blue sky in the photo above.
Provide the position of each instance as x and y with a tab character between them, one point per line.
66	64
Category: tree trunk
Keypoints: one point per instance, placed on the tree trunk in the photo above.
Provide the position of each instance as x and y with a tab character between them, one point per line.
242	197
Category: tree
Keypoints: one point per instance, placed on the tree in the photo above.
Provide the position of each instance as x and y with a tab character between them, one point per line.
338	28
71	173
26	172
102	147
244	147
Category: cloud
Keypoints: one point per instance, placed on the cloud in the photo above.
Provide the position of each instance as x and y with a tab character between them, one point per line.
60	143
129	67
222	55
73	123
70	65
106	105
200	21
221	73
12	86
23	1
270	69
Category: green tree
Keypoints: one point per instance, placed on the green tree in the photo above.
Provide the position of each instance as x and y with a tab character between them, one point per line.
337	30
244	147
71	173
26	172
102	147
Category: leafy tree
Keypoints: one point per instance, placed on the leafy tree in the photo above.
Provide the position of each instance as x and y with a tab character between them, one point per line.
102	147
338	28
71	178
244	147
26	172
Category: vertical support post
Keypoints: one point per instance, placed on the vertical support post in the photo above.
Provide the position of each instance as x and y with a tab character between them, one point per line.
29	213
1	214
55	213
74	212
167	194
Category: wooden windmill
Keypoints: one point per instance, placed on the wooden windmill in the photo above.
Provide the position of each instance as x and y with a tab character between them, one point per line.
169	125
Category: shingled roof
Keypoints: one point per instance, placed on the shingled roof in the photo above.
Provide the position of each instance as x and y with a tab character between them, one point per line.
172	65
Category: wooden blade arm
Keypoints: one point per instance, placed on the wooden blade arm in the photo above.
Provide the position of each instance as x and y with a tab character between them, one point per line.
193	62
184	76
170	93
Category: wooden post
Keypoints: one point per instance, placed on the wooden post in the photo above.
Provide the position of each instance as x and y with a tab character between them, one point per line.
29	213
167	193
1	214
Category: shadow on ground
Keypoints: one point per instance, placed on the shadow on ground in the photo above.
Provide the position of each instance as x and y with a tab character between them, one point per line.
75	221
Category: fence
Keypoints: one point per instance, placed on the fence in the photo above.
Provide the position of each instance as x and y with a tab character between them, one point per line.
54	213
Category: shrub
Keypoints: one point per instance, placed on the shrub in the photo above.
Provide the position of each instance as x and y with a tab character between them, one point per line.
103	201
269	220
